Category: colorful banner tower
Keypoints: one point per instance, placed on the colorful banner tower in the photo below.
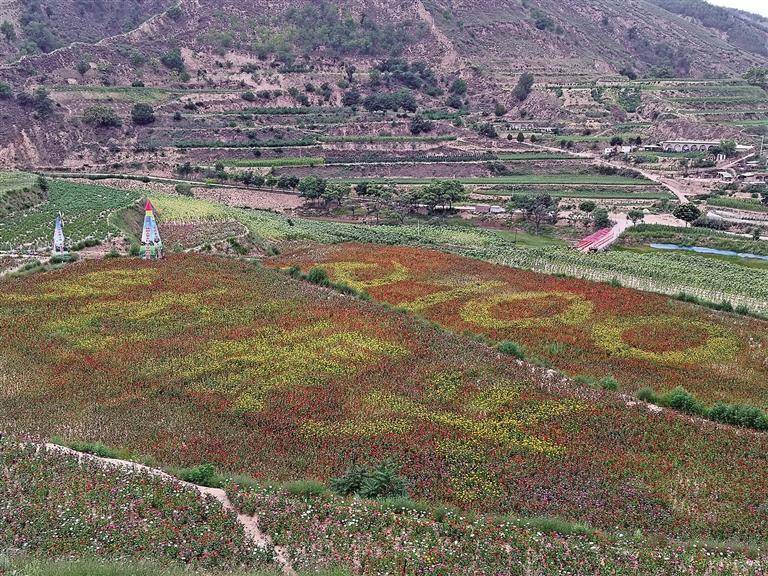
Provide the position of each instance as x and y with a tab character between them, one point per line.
58	238
151	244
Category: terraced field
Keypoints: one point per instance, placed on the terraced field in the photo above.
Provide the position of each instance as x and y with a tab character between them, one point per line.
195	359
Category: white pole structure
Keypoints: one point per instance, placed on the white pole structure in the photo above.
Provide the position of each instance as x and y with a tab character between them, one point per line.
58	237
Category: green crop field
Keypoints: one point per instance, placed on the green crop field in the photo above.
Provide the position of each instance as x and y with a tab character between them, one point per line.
10	181
737	203
85	208
539	179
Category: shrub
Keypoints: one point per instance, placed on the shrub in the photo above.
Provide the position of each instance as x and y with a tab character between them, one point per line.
647	395
142	114
173	60
682	400
318	276
378	482
609	383
511	348
184	189
202	475
102	117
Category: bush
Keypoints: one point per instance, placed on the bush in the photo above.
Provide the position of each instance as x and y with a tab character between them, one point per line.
682	400
378	482
511	348
647	395
318	276
609	383
173	60
203	475
184	189
142	114
102	117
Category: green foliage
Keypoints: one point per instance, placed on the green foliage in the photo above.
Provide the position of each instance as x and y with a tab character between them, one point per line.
39	100
600	218
370	482
142	114
523	87
322	25
687	212
380	101
511	348
173	60
102	117
304	488
757	76
202	475
5	91
420	125
318	276
488	130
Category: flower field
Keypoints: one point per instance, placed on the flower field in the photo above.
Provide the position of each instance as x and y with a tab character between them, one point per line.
583	328
54	505
194	359
380	539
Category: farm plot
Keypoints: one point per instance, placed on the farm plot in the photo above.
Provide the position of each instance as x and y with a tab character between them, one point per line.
12	181
195	359
86	211
588	329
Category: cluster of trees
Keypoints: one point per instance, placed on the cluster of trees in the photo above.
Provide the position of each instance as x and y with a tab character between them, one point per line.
321	25
414	75
39	100
740	32
523	87
757	76
402	99
102	117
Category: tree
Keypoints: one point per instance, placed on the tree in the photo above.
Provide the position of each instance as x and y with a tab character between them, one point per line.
520	137
142	114
102	117
635	215
82	67
5	91
312	187
349	70
441	192
727	147
458	87
523	88
486	129
350	98
173	60
40	100
757	77
8	31
587	206
420	124
536	209
617	141
335	192
499	109
687	212
600	218
248	96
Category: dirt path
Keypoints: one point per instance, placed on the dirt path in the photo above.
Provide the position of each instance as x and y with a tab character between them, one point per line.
250	524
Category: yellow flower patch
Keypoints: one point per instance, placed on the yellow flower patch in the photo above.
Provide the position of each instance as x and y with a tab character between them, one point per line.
480	311
349	273
720	345
246	370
